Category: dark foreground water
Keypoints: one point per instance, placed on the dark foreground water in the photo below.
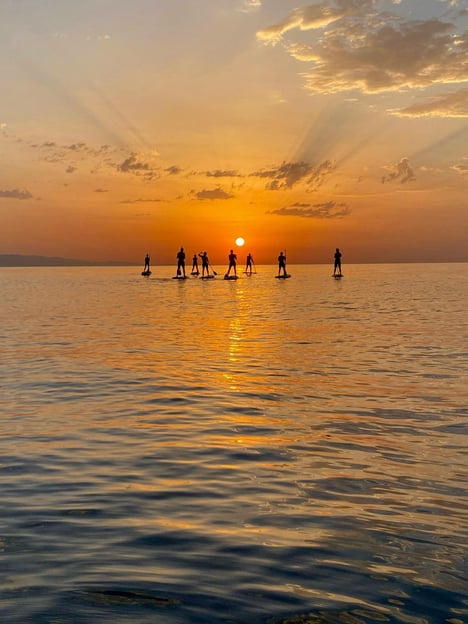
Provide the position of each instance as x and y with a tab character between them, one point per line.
255	452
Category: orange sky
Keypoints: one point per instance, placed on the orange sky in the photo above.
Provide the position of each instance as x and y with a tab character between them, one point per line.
298	126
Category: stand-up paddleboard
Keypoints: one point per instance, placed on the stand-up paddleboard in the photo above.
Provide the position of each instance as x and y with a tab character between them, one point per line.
283	276
337	276
180	277
195	273
231	277
146	273
205	277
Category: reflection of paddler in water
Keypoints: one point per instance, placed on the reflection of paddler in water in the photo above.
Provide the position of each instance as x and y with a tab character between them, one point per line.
232	263
147	263
181	262
282	263
195	270
205	263
248	264
337	265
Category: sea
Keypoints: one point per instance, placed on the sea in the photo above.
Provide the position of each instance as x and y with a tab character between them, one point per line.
259	451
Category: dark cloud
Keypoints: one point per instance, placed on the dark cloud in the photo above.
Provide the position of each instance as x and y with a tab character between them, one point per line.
401	171
216	193
323	210
70	169
173	170
133	164
15	194
286	175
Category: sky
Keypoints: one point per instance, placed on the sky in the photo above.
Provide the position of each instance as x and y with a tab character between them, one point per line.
135	126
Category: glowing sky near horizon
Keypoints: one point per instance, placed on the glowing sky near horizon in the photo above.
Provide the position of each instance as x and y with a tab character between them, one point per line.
128	127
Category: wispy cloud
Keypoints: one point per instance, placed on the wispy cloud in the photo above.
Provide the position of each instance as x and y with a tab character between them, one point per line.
15	194
140	200
461	167
250	5
401	172
323	210
287	175
219	173
450	105
217	193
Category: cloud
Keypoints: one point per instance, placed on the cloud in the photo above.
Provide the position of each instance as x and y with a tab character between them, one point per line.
70	169
401	171
304	18
250	5
133	164
173	170
100	190
139	200
216	193
461	168
358	48
450	105
286	175
324	210
218	173
15	194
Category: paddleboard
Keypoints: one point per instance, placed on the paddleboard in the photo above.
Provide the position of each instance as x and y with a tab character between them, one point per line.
180	277
231	277
205	277
146	273
337	276
195	273
283	276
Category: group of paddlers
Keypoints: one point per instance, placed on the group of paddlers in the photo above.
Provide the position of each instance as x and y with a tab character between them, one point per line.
232	259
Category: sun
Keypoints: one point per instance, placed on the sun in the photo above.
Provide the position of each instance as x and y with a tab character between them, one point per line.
240	241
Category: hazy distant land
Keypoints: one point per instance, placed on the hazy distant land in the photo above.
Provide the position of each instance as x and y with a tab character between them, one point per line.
16	260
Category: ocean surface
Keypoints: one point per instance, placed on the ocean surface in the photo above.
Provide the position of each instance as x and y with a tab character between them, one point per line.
254	452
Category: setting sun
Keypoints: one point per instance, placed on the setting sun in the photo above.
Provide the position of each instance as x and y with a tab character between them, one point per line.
240	241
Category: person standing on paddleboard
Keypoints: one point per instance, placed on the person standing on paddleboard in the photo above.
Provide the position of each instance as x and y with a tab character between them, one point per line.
282	263
248	264
195	270
232	263
181	262
205	263
147	263
337	265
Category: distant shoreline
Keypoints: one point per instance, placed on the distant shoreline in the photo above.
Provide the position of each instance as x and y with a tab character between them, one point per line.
17	260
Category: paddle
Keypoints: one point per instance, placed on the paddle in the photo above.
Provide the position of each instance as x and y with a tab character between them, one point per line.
214	272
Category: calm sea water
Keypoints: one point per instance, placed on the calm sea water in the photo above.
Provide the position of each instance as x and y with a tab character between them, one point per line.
259	452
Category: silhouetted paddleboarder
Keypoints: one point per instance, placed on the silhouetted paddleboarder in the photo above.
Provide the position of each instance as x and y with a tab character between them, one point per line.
282	263
337	264
147	263
248	264
232	263
181	262
205	263
195	270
